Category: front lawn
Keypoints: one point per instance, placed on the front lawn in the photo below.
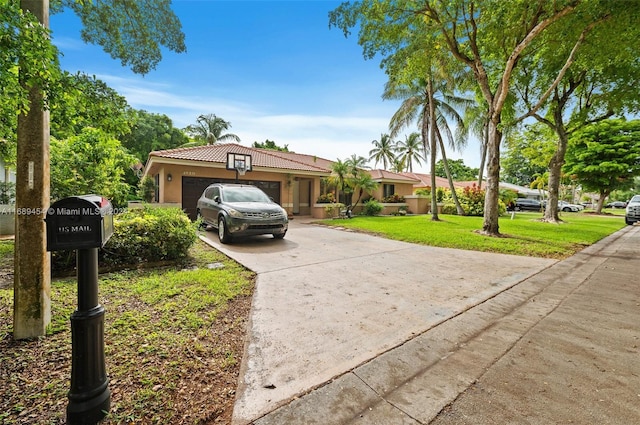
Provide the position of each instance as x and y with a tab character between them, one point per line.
174	340
524	235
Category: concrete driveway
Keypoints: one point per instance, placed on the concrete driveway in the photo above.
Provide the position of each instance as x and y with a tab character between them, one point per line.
328	300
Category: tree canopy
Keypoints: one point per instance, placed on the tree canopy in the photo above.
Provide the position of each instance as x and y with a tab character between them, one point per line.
491	39
91	162
26	54
151	132
210	129
85	101
271	145
459	171
130	30
605	156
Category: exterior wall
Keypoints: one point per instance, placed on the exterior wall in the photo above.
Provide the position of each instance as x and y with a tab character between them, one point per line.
319	211
171	191
402	189
418	204
307	187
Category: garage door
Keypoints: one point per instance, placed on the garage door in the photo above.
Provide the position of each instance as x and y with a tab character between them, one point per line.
192	188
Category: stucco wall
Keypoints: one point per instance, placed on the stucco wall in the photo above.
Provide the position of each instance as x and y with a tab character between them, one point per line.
308	186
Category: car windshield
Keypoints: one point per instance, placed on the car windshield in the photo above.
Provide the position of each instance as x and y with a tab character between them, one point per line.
636	198
244	194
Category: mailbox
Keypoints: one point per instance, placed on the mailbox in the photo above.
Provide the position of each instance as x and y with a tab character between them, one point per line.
84	223
79	222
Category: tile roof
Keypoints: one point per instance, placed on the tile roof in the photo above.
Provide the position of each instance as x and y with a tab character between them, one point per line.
389	175
266	158
425	180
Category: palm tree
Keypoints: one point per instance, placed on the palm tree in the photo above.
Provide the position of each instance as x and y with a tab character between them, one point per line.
209	130
383	151
420	104
363	182
356	163
339	173
410	151
398	165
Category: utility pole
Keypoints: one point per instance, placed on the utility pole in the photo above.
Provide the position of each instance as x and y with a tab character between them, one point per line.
32	274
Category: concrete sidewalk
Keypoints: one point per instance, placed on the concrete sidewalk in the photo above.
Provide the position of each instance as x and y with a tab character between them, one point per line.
559	347
327	301
349	328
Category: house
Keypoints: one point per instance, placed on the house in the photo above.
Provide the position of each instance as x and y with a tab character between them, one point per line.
522	191
525	192
424	181
295	181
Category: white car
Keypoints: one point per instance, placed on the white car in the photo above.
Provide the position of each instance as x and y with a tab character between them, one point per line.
565	206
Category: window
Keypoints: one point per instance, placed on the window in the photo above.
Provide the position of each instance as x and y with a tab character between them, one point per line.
388	190
211	193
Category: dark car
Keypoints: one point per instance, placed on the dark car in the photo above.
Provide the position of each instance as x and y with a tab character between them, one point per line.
241	210
526	204
616	204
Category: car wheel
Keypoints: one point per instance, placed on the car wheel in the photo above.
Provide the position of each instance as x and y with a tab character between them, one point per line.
629	222
202	226
279	235
566	209
223	232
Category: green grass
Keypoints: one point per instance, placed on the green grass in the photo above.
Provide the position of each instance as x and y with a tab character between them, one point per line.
524	235
162	330
6	252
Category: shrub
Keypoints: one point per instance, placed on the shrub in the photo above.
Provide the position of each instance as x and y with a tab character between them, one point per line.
326	198
7	192
333	209
449	208
148	234
372	207
147	188
472	200
393	199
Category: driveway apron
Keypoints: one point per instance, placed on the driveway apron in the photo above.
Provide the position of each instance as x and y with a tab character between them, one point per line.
328	300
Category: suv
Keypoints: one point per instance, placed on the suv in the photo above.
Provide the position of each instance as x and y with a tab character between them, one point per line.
526	204
632	213
241	210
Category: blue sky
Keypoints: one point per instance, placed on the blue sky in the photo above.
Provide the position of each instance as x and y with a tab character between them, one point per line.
273	69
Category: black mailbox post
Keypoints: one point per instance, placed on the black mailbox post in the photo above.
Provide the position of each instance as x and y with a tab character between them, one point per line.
84	223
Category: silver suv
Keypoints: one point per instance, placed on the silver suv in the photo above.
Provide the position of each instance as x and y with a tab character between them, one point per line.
632	213
241	210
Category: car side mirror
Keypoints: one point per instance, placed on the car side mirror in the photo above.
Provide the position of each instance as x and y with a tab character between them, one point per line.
216	199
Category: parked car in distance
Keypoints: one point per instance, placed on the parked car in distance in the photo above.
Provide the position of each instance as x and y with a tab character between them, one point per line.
526	204
632	213
568	207
241	210
616	204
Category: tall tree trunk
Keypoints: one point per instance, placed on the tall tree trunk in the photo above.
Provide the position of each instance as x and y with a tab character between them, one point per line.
32	280
483	154
434	151
452	188
555	166
491	212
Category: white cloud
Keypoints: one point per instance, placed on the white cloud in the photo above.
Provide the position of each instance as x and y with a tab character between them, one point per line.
326	136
